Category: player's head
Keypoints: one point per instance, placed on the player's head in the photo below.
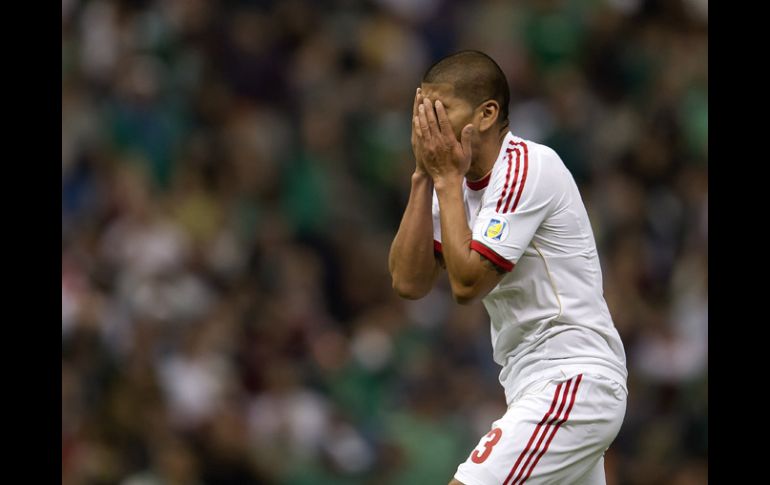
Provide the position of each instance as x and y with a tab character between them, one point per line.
475	80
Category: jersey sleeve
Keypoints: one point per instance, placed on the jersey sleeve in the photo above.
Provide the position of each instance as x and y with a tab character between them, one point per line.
436	224
516	203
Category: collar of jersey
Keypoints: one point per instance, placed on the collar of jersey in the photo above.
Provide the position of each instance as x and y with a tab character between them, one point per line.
479	184
484	181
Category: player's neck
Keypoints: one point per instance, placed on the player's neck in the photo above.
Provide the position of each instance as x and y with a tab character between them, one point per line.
487	156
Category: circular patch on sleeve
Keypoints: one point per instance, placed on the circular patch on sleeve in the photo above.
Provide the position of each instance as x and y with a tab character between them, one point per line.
496	231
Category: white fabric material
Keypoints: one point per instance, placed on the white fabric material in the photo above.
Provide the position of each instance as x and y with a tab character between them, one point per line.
583	418
548	314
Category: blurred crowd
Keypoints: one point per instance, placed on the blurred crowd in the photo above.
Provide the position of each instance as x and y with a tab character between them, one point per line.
233	173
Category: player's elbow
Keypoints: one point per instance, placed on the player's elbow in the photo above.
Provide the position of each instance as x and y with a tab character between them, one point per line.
463	300
409	290
464	295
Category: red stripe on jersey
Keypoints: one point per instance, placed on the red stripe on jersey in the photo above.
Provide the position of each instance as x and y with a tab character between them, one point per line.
507	177
505	186
523	178
498	260
437	246
519	188
535	433
515	182
556	428
545	433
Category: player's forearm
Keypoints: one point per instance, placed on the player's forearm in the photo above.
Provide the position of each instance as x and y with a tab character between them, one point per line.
461	264
411	261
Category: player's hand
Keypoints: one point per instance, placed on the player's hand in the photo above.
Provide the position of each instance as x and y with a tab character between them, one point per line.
443	156
416	147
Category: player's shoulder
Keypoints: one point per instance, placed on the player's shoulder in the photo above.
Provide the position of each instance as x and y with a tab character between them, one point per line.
521	157
538	152
551	167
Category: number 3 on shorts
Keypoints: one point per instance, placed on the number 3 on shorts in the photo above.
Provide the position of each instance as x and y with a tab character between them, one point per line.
494	436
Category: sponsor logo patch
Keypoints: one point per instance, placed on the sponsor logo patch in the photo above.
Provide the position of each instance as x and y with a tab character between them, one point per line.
496	230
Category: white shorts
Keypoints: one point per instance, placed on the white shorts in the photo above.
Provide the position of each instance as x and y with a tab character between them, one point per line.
555	432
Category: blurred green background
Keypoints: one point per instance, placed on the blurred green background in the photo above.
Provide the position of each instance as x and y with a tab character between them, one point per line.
233	173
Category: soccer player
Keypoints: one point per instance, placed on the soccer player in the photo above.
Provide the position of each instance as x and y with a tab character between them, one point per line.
504	217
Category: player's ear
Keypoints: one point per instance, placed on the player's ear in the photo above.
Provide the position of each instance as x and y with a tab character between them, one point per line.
488	114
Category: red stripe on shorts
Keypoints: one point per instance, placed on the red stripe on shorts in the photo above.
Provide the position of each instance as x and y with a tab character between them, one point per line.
544	434
534	434
556	428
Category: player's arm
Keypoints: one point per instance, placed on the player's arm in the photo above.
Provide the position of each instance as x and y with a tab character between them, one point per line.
471	275
412	263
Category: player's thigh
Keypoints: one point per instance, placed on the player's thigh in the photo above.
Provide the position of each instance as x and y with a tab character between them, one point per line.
556	433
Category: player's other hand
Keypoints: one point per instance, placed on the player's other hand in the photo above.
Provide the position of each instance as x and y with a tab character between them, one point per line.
443	156
416	147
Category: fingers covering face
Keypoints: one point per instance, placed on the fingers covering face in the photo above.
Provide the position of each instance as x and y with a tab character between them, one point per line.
415	113
443	120
428	122
417	100
424	127
416	126
431	118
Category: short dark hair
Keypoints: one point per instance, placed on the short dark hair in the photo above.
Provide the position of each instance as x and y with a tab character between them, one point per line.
476	77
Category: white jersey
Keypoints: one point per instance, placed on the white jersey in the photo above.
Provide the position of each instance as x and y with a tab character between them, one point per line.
548	315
